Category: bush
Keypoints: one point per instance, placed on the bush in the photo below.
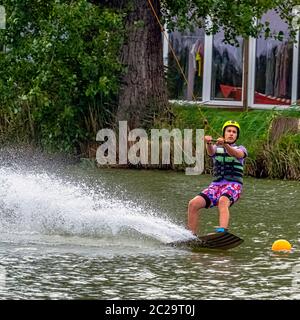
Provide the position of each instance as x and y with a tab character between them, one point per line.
59	75
266	157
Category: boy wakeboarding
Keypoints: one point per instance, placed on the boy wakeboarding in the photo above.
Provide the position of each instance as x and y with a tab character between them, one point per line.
226	188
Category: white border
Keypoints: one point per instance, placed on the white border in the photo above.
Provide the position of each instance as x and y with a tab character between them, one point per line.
206	86
166	39
251	71
295	70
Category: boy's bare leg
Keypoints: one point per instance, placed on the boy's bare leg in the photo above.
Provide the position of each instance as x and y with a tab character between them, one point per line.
224	215
195	205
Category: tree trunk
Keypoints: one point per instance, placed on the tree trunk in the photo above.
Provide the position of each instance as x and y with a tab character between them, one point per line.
143	89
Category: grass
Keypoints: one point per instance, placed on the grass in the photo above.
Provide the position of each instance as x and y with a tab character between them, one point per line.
266	158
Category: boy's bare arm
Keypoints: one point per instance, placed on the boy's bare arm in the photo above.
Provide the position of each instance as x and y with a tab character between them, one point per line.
209	145
234	152
230	150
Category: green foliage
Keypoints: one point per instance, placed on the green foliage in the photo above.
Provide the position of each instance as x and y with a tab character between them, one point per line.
275	159
236	18
254	124
59	72
282	159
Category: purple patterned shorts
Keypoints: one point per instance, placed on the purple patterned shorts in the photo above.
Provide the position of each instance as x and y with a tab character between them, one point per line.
213	192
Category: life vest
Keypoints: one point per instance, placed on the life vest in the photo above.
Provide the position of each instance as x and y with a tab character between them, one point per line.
227	167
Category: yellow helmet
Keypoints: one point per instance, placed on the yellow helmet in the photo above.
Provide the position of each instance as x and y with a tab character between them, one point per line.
231	123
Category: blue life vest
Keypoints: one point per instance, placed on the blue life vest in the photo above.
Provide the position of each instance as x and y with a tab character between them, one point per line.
227	167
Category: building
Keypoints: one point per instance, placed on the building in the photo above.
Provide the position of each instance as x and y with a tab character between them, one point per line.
259	73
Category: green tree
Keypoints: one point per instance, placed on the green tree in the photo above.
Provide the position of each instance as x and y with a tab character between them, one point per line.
59	74
143	91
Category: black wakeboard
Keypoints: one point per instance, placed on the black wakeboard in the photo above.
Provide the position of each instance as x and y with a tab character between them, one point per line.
220	240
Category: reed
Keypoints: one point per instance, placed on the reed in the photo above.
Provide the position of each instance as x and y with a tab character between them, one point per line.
282	159
271	137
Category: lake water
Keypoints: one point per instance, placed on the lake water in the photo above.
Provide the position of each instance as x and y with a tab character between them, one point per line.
77	232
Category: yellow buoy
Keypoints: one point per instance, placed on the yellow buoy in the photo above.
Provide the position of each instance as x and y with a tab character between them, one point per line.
281	245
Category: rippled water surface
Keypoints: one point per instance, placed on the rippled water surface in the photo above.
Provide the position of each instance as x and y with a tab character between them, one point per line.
85	233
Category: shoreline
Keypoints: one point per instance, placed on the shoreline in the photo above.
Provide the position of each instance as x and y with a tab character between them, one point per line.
272	139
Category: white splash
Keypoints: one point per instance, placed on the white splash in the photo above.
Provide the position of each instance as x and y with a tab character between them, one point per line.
46	204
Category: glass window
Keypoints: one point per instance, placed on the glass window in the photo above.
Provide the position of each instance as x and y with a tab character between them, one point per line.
227	70
189	49
273	65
